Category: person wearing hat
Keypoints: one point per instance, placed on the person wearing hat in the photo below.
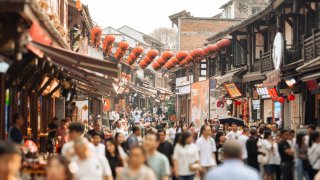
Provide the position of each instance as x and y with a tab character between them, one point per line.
233	166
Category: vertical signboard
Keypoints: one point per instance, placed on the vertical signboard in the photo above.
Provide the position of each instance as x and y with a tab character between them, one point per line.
199	102
83	110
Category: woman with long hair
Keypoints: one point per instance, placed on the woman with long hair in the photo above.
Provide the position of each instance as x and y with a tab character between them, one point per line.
136	168
58	168
113	156
301	157
120	141
185	157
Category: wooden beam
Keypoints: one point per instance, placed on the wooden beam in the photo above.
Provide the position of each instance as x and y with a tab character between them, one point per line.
2	102
34	116
290	22
45	86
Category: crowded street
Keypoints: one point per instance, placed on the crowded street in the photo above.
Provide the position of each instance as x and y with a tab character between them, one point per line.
160	90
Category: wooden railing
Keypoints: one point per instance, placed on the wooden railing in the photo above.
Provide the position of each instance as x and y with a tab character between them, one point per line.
266	62
311	46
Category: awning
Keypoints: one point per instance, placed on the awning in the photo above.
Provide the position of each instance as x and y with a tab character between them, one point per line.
231	76
311	77
64	56
311	65
253	76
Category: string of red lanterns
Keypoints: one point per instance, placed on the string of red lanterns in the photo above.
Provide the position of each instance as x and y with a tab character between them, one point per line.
96	33
121	50
108	44
135	54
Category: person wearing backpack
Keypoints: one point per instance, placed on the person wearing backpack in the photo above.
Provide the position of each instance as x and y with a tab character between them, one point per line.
314	153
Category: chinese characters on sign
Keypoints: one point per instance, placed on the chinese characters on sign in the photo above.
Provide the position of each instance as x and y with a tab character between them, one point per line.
233	90
273	93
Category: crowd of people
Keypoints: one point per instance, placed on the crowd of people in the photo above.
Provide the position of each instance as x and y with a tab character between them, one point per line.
134	148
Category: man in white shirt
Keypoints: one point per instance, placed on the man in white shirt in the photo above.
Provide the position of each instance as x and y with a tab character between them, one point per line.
111	117
88	165
314	152
76	130
233	134
207	148
233	167
99	148
118	128
243	140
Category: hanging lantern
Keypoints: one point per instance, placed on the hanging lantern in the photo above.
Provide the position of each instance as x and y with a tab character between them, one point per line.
123	45
218	103
167	55
147	60
109	39
161	61
118	54
137	51
291	97
156	65
169	65
182	55
196	53
153	53
96	33
143	64
281	100
212	48
78	5
175	60
224	43
189	59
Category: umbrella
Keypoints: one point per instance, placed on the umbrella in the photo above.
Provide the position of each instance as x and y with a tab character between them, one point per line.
231	120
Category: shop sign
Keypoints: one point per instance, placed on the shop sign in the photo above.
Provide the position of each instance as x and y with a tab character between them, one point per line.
263	92
183	90
256	104
273	93
233	90
183	81
273	78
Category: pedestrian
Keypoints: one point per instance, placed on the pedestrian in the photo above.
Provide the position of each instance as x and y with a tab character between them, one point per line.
292	139
52	132
89	165
186	157
274	129
252	149
136	169
172	131
62	135
207	148
233	134
10	160
97	130
76	130
118	128
14	133
133	140
314	153
99	148
120	140
157	162
113	155
301	158
233	166
58	168
243	140
287	156
165	147
219	139
311	128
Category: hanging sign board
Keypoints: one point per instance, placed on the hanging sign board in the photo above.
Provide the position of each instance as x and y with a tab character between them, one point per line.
233	90
273	93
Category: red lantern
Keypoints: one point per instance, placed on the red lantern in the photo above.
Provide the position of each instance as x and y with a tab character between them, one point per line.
109	39
291	97
137	51
212	48
218	104
224	43
175	60
143	64
161	61
169	65
153	53
123	45
78	5
182	55
237	103
96	33
197	53
147	60
281	100
188	59
167	55
156	65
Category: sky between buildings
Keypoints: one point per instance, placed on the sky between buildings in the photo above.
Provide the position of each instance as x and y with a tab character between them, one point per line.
147	15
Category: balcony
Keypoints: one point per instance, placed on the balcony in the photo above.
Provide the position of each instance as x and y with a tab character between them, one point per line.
266	63
311	46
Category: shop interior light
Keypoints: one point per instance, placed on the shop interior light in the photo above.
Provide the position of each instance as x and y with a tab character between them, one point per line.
4	64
